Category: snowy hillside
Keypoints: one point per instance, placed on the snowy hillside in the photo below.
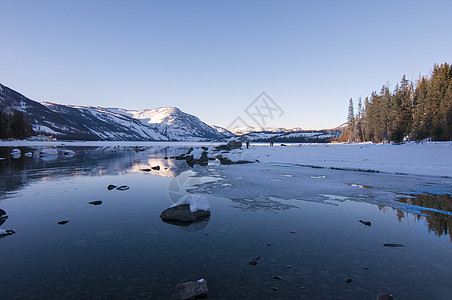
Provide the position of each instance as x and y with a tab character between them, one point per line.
114	124
291	136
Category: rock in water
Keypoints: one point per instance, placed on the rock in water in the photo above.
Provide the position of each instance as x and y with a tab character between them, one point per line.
182	213
6	232
111	187
348	280
394	245
62	222
385	296
367	223
191	290
156	168
97	202
122	188
253	260
3	216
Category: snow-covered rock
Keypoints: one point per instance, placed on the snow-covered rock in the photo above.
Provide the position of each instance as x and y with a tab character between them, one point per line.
28	154
68	152
196	202
15	151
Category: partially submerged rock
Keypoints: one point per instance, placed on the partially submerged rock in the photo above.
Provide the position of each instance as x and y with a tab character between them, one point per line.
253	260
191	290
49	152
111	187
6	232
226	161
122	188
181	213
62	222
97	202
367	223
385	296
3	216
394	245
68	152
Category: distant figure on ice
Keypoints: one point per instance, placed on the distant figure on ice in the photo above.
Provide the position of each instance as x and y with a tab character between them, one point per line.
247	144
271	143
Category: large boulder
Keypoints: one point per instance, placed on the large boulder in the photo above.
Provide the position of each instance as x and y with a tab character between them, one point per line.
181	213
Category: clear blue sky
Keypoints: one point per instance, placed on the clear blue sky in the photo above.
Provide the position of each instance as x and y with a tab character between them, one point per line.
212	58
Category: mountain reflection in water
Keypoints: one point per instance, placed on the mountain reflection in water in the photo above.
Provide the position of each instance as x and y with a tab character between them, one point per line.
87	161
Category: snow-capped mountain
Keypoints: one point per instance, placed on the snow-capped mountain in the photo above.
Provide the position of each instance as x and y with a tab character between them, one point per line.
98	123
174	124
158	124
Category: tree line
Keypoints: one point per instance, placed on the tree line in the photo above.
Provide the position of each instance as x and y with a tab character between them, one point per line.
412	111
14	125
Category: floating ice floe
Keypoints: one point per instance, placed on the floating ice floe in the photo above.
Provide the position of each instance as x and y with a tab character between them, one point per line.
196	202
49	151
28	154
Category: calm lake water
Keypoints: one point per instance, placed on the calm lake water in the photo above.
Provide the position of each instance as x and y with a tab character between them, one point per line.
122	250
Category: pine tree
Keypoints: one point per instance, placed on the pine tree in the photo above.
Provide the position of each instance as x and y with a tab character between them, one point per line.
351	120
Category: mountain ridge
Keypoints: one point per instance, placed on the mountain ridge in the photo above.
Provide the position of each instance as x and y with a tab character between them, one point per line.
169	123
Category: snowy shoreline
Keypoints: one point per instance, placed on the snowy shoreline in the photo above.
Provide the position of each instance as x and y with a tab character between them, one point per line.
430	159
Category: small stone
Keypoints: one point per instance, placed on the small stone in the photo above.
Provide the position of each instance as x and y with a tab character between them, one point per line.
293	232
277	277
165	157
394	245
122	188
97	202
348	280
365	268
156	168
367	223
385	296
269	245
111	187
288	266
253	260
275	289
62	222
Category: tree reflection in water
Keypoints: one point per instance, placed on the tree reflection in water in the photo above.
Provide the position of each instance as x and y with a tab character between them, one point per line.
440	223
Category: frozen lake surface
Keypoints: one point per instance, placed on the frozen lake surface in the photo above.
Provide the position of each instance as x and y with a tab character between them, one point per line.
298	208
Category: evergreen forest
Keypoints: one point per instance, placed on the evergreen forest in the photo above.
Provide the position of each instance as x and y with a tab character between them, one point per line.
411	112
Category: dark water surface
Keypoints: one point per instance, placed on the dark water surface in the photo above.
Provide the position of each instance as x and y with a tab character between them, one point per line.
122	250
